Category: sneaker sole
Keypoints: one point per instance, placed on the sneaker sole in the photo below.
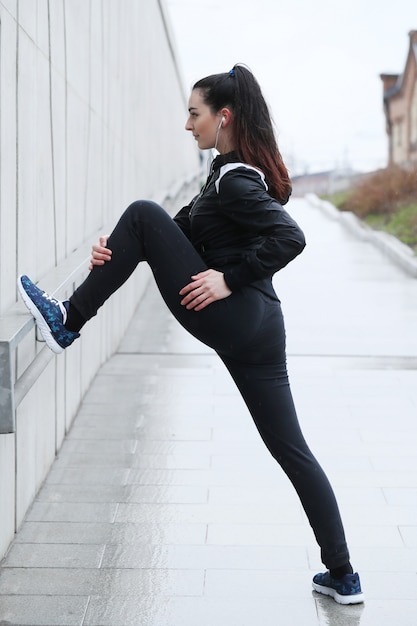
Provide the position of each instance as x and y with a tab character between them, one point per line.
40	321
356	598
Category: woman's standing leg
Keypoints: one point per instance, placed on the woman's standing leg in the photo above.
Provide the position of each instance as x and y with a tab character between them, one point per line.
261	377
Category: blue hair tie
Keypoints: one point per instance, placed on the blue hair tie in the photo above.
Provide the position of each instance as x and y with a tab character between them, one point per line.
232	72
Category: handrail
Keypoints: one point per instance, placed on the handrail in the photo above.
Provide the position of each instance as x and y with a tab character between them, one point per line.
16	323
14	326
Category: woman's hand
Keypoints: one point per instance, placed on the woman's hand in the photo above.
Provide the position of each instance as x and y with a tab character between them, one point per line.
100	253
205	288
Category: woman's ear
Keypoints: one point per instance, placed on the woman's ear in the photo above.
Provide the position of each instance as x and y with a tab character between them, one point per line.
226	117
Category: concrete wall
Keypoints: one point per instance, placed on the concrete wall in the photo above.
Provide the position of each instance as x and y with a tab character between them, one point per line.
92	113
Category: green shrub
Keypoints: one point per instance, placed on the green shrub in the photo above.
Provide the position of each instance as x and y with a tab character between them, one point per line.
403	224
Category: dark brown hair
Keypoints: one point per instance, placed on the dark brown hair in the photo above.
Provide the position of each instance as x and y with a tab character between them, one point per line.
254	134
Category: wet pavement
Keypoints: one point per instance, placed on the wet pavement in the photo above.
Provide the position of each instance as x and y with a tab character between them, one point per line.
165	509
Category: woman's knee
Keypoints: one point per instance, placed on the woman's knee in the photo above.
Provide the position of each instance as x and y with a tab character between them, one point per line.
140	209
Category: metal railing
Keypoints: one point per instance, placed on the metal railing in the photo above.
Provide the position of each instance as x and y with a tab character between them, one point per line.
17	322
15	325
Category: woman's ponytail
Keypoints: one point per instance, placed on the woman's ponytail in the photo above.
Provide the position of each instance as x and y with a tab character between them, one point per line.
253	130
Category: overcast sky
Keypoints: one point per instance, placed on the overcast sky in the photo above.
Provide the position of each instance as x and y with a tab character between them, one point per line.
318	63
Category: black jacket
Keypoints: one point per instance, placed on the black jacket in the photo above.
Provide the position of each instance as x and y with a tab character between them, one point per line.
237	227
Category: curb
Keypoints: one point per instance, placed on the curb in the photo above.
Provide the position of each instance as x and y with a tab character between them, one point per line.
401	254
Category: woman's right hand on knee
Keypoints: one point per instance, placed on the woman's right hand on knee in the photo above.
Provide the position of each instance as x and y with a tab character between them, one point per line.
100	253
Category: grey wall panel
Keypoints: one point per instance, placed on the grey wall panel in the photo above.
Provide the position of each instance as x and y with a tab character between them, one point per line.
92	113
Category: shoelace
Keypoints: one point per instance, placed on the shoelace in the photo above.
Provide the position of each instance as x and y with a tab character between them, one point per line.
57	303
50	298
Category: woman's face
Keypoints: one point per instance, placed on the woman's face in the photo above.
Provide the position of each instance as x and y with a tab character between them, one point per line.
202	122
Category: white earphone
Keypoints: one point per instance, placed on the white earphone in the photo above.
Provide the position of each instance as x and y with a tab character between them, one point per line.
221	122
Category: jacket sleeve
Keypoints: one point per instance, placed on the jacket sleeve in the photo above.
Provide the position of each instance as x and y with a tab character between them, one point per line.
276	238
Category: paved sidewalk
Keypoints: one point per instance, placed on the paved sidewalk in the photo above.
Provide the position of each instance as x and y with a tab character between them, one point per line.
165	509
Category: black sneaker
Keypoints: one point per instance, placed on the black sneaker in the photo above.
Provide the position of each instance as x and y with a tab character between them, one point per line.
347	590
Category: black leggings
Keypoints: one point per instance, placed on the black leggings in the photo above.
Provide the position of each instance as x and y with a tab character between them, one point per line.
247	332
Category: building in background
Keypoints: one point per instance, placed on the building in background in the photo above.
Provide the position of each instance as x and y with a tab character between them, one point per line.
400	107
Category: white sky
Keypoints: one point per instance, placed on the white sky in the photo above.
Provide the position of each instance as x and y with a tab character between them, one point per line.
317	61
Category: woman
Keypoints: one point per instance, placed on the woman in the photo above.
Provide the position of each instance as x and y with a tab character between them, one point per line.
213	264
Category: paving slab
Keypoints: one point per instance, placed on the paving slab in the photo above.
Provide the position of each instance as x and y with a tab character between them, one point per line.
163	507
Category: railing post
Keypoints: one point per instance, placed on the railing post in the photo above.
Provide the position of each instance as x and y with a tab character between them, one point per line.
7	406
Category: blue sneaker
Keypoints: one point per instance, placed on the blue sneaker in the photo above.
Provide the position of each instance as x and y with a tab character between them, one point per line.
50	315
347	590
